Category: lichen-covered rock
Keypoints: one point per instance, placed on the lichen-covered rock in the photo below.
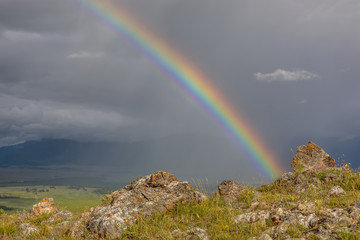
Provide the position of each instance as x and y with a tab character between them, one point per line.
230	190
311	156
197	233
308	221
158	192
306	207
45	206
252	217
27	229
336	191
301	178
354	211
60	216
301	187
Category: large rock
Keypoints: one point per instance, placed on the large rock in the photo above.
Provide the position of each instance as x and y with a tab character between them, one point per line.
230	190
311	156
158	192
45	206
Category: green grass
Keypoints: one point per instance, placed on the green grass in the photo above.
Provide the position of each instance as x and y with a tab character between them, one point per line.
214	215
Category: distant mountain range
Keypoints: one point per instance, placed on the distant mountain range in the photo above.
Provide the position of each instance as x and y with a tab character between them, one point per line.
190	157
62	159
49	152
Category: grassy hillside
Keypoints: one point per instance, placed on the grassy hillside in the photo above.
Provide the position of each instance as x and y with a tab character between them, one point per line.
217	217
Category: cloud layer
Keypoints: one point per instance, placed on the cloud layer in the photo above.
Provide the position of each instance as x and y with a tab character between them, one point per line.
283	75
65	74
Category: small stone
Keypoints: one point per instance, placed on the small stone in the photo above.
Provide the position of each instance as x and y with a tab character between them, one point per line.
288	176
264	236
300	179
308	221
230	190
45	206
279	212
28	229
254	205
198	232
252	217
301	187
354	212
177	233
332	177
63	215
336	191
282	227
306	207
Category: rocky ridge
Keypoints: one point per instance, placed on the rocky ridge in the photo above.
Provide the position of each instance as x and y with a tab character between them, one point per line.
317	200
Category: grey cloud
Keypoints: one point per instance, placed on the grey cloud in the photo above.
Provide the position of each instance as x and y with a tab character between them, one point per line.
283	75
84	54
31	119
39	15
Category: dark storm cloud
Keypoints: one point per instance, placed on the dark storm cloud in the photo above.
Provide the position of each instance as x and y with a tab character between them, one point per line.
38	15
65	74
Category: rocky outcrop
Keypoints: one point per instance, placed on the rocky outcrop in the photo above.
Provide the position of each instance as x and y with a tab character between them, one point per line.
158	192
230	190
52	216
311	156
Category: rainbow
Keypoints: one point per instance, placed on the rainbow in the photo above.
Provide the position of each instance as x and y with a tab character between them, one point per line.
192	81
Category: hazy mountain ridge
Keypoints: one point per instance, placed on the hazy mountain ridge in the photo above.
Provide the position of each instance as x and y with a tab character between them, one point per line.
47	152
63	161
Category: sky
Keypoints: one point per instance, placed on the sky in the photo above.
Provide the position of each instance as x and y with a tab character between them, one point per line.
291	68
